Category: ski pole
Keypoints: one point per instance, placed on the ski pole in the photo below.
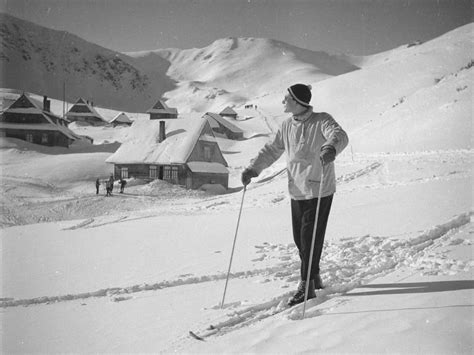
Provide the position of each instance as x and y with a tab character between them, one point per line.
233	247
315	227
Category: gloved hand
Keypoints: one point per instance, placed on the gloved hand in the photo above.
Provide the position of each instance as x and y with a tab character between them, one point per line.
247	175
328	154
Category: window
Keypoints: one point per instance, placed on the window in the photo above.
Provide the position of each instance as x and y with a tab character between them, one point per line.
170	173
44	138
29	137
153	172
174	174
207	153
124	173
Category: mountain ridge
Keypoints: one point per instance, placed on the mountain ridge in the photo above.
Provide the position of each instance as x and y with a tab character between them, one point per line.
38	59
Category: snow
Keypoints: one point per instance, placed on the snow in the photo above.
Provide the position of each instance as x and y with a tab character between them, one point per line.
202	167
135	272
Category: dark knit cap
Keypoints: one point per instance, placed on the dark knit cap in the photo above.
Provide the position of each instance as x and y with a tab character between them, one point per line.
301	93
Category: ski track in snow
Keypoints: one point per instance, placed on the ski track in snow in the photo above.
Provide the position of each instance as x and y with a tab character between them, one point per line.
361	172
346	264
351	263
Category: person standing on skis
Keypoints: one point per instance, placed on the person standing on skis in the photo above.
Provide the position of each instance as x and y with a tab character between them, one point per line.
311	141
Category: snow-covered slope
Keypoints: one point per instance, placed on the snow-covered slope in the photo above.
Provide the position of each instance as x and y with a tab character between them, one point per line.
415	98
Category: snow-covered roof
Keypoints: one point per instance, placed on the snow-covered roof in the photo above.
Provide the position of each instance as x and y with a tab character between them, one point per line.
228	111
218	118
122	118
30	106
207	167
82	109
142	146
26	105
161	107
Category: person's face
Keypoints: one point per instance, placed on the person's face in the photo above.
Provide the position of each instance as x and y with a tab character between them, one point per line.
292	106
289	103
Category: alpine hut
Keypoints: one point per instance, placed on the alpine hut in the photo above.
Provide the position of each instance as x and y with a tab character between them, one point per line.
121	120
160	110
83	111
228	112
29	120
222	126
183	152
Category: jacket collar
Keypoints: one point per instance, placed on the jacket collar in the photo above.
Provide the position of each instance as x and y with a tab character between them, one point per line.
302	117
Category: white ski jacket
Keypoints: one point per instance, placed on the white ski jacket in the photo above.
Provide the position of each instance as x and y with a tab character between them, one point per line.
302	137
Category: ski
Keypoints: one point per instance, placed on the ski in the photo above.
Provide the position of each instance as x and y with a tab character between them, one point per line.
239	319
246	317
195	336
202	335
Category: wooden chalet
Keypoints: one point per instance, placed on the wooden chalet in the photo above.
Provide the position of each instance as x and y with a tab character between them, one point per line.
182	151
228	112
160	110
83	111
121	120
221	126
29	120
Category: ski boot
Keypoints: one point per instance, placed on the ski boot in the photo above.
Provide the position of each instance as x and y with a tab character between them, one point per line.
298	297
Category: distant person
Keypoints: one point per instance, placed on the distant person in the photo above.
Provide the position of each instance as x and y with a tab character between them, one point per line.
311	141
108	188
97	184
111	181
122	185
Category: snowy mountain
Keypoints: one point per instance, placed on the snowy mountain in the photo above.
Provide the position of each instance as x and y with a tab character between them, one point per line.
231	70
40	60
236	70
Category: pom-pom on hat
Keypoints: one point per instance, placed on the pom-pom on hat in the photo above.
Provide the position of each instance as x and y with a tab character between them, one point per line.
301	93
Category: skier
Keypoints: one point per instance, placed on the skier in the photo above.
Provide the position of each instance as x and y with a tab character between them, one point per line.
122	185
311	141
97	184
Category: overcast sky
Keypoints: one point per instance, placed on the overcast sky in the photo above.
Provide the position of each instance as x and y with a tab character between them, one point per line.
338	26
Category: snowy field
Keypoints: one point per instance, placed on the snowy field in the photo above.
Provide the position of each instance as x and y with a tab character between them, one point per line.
135	272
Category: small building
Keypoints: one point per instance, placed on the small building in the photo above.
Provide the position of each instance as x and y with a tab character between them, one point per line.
182	151
228	112
29	120
121	120
220	125
161	111
83	111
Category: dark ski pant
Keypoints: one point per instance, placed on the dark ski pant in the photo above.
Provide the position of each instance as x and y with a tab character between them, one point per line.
303	214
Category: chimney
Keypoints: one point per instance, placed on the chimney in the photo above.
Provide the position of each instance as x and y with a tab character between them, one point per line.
162	133
46	104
